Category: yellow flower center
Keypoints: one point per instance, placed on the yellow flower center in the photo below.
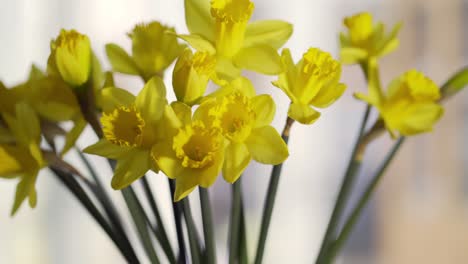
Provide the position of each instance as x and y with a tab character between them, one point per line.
69	39
196	145
231	20
203	63
235	116
123	126
360	28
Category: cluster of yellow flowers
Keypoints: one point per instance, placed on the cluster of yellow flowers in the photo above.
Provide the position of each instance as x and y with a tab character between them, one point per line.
195	138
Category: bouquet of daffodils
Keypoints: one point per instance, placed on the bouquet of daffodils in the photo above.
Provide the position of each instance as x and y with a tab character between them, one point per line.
201	135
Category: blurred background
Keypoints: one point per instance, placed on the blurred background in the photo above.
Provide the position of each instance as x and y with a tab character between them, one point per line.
420	212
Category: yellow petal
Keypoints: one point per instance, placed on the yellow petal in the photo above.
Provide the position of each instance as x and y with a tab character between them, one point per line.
366	98
198	18
130	168
287	79
5	135
120	60
163	155
106	149
269	32
110	98
10	165
73	135
199	43
327	95
25	125
226	70
349	55
261	58
264	108
202	111
24	190
56	111
183	112
243	85
421	118
184	186
237	158
266	146
304	114
151	100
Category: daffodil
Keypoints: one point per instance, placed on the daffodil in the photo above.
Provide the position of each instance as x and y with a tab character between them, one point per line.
366	40
244	119
313	81
23	157
223	28
71	53
193	155
131	128
154	48
191	75
410	105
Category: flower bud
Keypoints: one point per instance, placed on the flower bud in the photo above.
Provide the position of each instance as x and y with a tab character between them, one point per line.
191	75
72	52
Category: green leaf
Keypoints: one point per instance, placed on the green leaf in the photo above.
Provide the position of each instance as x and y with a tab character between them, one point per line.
455	84
120	60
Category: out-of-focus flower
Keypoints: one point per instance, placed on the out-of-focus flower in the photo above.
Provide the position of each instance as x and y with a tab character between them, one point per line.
71	52
191	75
244	119
23	157
223	28
313	81
131	129
366	40
154	48
193	155
410	105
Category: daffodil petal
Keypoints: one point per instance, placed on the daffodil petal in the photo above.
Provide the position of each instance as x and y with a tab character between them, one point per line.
184	186
261	58
421	118
120	60
25	125
269	32
25	189
199	43
163	155
236	160
349	55
110	98
151	100
243	85
266	146
56	111
5	135
302	113
202	111
183	111
106	149
366	98
198	18
9	165
264	108
130	168
327	95
208	176
72	136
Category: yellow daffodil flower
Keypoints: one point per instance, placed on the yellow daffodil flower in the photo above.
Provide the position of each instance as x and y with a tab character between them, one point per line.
193	154
313	81
366	40
191	75
410	105
223	28
131	128
153	50
71	53
244	119
23	158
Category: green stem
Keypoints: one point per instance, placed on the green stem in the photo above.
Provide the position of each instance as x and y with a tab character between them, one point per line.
178	223
139	218
243	237
107	204
208	232
195	250
348	181
235	222
270	198
70	182
363	201
160	231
